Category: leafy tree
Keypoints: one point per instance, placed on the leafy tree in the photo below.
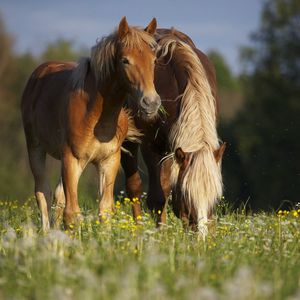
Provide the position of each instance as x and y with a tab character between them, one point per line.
229	91
225	78
62	49
267	130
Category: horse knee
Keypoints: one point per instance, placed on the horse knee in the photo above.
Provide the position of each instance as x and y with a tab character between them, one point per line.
134	185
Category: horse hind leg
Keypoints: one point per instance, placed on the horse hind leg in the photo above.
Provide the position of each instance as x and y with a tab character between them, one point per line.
156	198
37	161
133	180
59	205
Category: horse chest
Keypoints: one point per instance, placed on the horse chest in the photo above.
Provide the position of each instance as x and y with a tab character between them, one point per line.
90	148
102	150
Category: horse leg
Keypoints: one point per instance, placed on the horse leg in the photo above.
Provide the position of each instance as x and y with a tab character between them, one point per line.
133	179
107	172
165	174
71	171
155	198
37	161
59	205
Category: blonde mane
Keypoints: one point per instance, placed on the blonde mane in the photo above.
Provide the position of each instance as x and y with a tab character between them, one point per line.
195	131
104	52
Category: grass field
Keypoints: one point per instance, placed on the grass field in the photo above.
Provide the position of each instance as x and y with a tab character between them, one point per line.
244	257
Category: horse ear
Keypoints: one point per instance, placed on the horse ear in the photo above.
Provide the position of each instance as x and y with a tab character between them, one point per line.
179	156
123	28
219	152
151	28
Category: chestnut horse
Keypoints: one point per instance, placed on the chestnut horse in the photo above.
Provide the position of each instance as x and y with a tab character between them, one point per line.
73	111
181	147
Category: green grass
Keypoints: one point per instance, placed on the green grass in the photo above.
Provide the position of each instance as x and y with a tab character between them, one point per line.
244	257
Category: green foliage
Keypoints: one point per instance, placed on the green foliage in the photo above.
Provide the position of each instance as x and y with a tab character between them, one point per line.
62	49
225	78
266	132
244	257
229	91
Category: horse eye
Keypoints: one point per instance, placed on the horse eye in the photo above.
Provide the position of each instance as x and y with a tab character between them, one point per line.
125	61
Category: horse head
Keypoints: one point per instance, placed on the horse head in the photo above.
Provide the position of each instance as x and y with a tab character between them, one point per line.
136	65
182	207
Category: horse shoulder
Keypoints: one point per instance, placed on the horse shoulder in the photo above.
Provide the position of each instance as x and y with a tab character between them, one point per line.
78	131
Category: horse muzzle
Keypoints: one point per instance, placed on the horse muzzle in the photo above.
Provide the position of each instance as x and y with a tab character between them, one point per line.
149	106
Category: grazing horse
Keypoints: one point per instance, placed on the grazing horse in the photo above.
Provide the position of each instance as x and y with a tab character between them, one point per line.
73	111
181	148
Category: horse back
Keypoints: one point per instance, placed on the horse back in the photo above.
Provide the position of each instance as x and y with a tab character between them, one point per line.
177	68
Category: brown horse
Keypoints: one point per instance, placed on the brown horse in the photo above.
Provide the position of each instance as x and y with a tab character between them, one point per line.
181	147
73	111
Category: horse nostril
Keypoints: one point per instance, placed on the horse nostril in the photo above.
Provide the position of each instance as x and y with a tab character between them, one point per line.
145	101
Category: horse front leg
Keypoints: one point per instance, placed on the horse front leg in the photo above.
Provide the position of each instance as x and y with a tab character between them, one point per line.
71	171
59	205
156	198
133	180
165	174
107	172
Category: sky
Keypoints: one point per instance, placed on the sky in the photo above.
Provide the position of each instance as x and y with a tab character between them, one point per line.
224	25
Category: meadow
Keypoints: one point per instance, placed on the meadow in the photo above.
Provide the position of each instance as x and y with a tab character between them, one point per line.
245	256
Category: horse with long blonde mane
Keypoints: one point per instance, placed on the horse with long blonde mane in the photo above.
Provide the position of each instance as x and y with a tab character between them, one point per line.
73	111
181	148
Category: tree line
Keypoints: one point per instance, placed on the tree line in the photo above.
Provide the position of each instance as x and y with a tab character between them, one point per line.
259	120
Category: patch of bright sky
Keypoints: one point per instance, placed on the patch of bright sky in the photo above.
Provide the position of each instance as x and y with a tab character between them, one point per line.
216	24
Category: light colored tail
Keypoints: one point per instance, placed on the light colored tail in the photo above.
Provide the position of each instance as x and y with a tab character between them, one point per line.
195	132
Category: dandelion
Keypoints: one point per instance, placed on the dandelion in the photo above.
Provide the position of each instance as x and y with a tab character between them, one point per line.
126	200
118	204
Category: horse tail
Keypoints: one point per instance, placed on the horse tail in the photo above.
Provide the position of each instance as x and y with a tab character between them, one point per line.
194	131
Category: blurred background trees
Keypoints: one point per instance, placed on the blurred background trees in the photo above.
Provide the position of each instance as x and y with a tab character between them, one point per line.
264	135
260	111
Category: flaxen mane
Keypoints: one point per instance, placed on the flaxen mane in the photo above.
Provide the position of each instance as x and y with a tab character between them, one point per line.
195	131
104	52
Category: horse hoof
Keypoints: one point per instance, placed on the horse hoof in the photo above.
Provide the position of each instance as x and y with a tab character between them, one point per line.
72	221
